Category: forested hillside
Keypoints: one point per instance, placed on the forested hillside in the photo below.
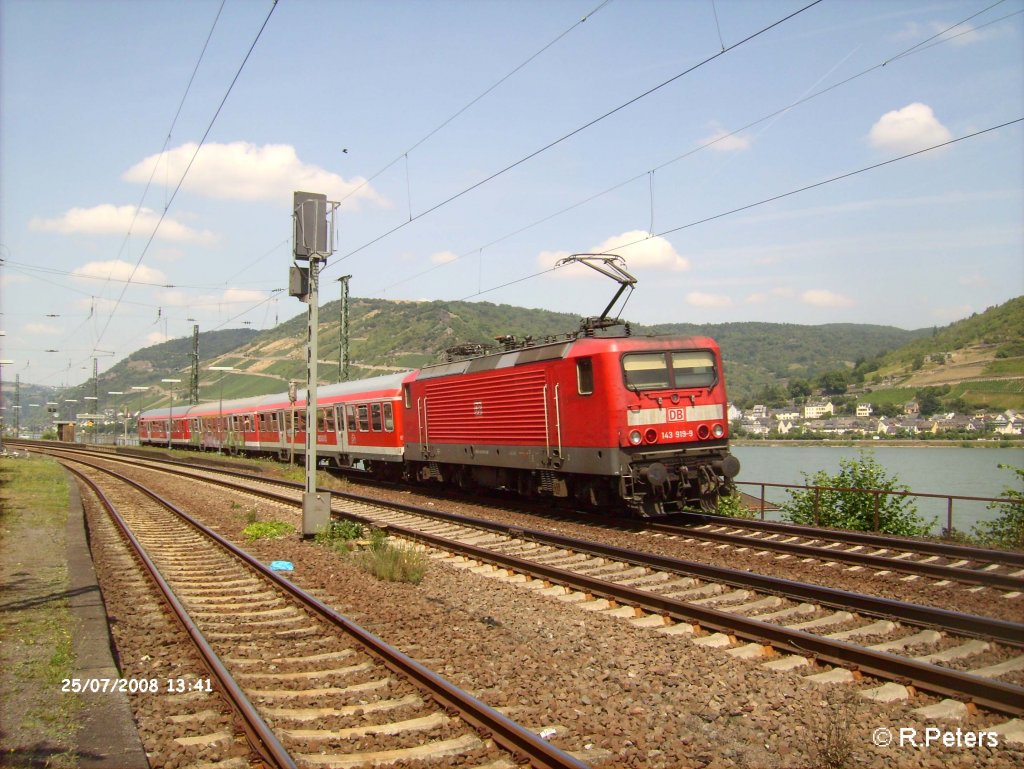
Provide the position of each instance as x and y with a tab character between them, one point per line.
979	360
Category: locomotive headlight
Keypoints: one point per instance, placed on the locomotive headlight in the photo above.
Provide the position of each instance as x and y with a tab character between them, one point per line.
635	437
718	431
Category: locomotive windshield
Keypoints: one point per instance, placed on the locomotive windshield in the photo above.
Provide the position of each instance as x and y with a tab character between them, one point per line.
669	370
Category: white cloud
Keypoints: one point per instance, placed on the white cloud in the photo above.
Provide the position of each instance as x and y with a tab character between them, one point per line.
156	337
228	296
107	219
245	171
636	247
905	130
820	297
243	296
443	257
115	269
699	299
43	329
722	141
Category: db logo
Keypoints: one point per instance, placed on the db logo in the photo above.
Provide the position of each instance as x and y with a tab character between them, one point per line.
676	415
478	408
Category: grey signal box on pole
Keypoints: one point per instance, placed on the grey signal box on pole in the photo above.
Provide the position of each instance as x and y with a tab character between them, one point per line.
311	225
314	243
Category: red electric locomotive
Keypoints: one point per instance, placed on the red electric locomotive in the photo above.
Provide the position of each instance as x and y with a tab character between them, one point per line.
641	420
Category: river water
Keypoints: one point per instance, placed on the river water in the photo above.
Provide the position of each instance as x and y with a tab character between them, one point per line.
972	472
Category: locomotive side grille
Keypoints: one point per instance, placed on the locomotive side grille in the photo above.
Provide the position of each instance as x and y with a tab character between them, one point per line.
507	407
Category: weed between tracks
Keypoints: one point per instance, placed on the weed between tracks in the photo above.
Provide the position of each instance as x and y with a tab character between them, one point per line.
374	554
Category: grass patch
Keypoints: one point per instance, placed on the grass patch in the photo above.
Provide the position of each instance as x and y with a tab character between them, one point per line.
371	551
393	564
267	530
36	650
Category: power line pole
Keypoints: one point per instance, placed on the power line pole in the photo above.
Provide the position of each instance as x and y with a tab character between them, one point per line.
343	330
193	386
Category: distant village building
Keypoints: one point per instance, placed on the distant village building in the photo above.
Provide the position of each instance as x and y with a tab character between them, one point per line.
864	410
818	409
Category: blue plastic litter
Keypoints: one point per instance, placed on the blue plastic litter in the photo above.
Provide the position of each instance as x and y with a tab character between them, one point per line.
282	566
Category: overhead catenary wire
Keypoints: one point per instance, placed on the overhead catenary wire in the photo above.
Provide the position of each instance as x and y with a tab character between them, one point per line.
473	101
765	201
939	38
578	130
170	133
188	167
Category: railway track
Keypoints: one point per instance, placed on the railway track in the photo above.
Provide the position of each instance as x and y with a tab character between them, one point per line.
945	563
311	688
958	656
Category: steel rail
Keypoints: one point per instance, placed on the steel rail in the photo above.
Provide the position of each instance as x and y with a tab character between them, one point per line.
937	571
923	547
999	630
489	722
968	624
988	693
944	549
261	736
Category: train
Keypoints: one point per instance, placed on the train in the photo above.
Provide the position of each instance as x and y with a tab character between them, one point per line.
604	421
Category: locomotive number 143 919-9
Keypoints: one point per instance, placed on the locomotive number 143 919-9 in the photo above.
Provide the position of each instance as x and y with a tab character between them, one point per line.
676	435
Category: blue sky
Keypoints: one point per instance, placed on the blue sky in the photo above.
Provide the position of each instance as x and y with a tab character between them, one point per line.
344	98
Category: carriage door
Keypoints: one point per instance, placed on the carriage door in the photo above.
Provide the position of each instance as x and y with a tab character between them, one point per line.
341	432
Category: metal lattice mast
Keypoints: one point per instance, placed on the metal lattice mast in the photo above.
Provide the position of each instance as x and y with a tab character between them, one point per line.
193	386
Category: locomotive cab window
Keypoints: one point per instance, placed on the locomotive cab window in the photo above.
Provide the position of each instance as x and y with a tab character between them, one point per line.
646	371
585	376
693	368
669	370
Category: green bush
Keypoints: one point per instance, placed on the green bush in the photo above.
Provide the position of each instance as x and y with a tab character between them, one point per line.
1008	529
854	508
731	506
344	531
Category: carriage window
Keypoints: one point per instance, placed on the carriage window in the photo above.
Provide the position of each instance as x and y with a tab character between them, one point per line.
339	418
407	396
325	420
375	420
300	421
352	418
694	368
364	418
585	376
646	371
389	418
272	425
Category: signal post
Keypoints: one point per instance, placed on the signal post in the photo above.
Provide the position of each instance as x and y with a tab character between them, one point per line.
313	243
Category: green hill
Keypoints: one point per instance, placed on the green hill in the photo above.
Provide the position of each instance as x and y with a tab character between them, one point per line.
976	362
